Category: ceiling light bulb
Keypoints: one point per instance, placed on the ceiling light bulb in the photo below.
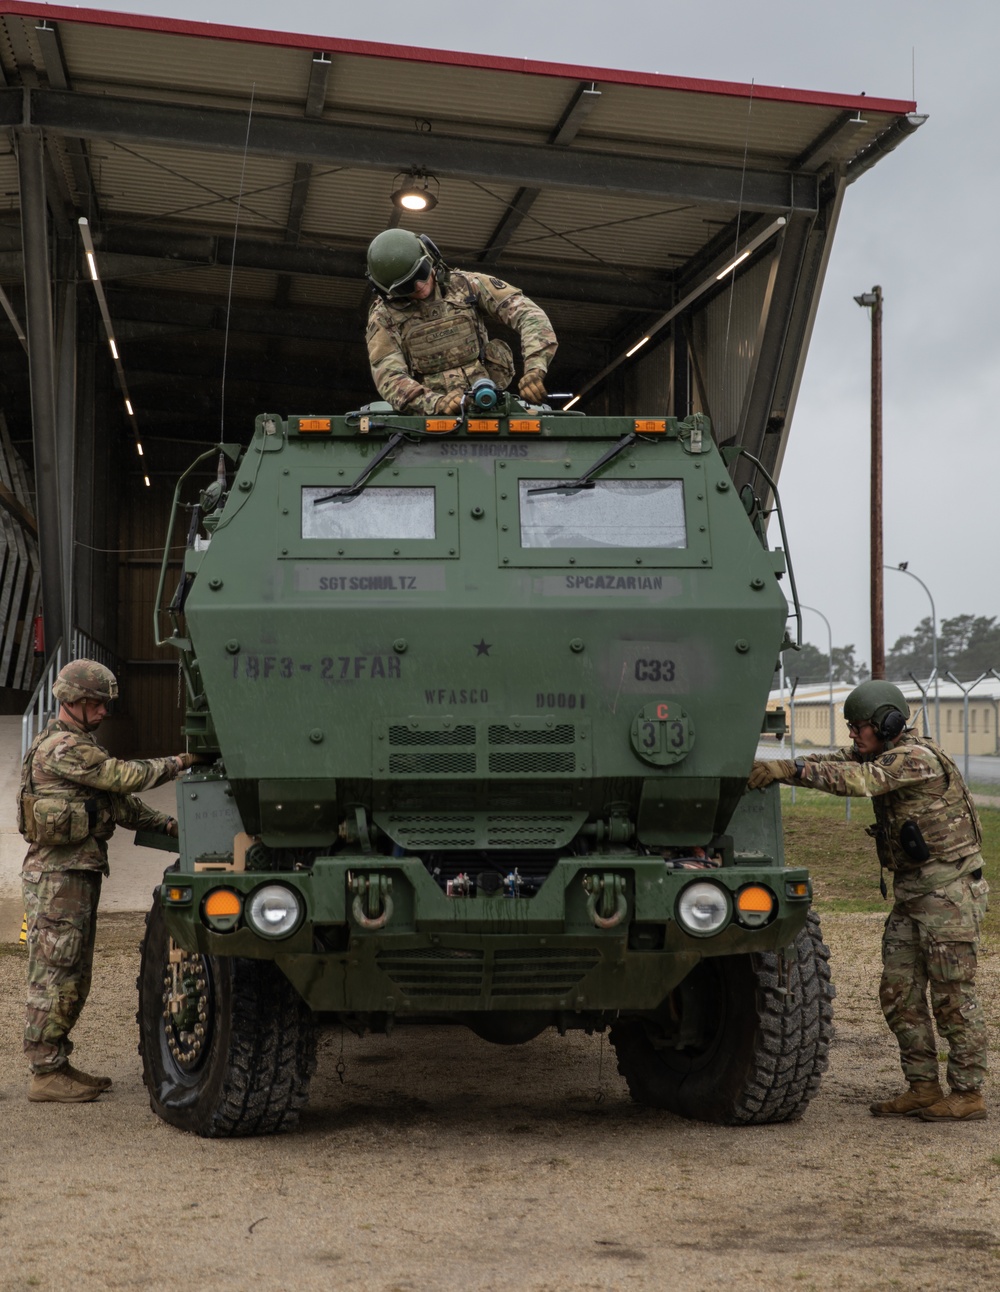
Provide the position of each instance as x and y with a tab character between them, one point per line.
413	201
139	447
638	346
146	478
114	348
128	407
92	265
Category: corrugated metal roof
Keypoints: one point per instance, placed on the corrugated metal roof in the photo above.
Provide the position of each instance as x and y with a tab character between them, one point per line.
642	195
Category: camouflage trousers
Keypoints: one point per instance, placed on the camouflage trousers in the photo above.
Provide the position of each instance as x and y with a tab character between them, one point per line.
61	906
931	942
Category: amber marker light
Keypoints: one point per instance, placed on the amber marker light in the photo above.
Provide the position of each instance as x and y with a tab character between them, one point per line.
314	424
222	901
178	896
650	425
221	910
525	425
440	424
483	425
797	888
754	905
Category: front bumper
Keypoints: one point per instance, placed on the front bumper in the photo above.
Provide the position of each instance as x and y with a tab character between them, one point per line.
439	954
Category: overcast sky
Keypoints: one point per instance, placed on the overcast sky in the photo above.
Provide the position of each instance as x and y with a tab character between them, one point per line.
919	224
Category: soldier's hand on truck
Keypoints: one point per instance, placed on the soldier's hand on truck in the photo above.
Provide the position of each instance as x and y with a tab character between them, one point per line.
184	761
451	402
763	774
531	387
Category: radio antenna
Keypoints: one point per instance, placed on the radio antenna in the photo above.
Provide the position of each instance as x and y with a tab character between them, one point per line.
232	269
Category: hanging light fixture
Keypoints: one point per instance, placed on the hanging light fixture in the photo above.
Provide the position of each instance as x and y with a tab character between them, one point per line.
413	191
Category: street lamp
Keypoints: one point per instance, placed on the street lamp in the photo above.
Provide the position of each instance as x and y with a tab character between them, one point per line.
829	638
873	300
903	568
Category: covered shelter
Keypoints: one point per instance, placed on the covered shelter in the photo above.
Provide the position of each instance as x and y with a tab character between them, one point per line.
184	213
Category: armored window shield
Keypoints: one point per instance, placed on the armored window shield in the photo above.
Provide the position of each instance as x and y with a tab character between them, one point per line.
376	513
607	514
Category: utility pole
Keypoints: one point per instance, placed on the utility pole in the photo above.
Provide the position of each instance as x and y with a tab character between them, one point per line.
873	300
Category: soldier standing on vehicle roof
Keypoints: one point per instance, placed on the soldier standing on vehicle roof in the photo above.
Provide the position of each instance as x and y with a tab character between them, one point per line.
72	795
928	835
427	338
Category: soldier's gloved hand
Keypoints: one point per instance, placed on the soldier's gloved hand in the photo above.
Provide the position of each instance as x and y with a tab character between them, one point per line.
450	403
531	386
763	774
184	761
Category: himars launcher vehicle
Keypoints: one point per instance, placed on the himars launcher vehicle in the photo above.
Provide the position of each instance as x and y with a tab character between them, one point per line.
484	693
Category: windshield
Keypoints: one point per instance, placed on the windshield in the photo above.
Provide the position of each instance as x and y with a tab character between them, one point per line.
375	513
610	513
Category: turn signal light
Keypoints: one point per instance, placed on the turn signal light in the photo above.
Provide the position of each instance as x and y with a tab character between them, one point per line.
222	901
754	905
754	898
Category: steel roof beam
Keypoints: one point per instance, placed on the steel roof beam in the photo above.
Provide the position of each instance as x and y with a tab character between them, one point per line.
319	76
460	157
148	251
580	108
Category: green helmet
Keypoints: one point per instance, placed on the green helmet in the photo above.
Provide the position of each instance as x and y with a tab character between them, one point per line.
881	704
398	260
85	679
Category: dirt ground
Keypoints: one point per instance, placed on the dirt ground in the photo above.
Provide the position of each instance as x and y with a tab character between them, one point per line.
443	1162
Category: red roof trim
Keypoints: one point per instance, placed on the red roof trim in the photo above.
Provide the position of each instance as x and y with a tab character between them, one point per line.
414	54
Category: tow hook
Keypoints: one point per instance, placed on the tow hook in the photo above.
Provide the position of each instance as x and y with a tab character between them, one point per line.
608	891
372	905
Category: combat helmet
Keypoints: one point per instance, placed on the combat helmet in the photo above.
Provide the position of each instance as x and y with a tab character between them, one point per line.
398	259
85	679
881	704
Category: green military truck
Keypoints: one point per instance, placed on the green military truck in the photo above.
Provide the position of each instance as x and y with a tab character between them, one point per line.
482	694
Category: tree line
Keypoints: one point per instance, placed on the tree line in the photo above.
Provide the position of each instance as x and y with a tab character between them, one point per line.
967	646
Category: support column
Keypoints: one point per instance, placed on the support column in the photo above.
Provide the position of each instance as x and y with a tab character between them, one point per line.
66	376
41	368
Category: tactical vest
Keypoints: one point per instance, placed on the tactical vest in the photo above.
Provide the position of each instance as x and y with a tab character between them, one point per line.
64	814
946	818
441	334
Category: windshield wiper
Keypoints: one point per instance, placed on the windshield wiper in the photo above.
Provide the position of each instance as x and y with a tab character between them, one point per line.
586	480
352	490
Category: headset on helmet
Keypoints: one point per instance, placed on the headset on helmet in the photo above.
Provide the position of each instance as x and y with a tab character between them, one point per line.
881	704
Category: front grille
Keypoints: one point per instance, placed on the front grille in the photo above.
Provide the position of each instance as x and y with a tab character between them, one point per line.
564	734
447	971
532	761
547	971
434	971
461	735
496	831
444	762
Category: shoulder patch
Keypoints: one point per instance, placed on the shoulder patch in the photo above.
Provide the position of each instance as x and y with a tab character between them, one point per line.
498	282
891	758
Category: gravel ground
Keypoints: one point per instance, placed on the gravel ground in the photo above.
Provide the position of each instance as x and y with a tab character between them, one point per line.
442	1162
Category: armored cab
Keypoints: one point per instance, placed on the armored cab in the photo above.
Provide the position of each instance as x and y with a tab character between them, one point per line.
483	694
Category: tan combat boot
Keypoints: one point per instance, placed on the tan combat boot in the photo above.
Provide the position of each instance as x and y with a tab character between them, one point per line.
60	1087
99	1083
959	1106
921	1094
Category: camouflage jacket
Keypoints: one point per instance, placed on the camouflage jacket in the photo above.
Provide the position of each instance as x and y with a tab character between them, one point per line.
421	350
913	781
73	794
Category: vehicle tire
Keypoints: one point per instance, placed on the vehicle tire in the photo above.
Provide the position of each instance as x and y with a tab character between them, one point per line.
759	1028
248	1071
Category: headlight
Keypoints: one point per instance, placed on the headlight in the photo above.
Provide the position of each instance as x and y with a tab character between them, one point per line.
703	908
274	911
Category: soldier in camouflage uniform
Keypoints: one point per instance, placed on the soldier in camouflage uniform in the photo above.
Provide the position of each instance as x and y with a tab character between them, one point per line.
72	795
928	836
427	338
